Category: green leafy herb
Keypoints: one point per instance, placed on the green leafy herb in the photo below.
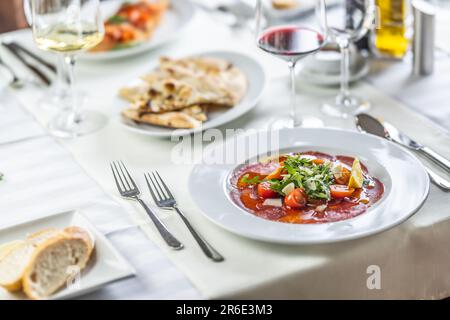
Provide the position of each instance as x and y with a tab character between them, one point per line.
254	180
315	179
116	20
124	46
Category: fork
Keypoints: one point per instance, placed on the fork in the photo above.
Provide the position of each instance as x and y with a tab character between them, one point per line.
129	190
164	199
16	82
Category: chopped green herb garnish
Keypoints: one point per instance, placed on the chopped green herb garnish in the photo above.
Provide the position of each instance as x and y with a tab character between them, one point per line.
124	46
116	19
315	179
254	180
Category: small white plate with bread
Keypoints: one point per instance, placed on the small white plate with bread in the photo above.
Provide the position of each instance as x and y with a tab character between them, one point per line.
59	256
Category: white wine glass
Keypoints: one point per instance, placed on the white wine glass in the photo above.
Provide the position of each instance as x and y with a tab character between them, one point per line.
292	42
59	91
69	27
348	21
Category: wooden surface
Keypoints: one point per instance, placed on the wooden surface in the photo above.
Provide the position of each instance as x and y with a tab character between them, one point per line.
11	15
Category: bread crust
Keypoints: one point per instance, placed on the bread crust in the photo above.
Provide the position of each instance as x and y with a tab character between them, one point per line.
70	233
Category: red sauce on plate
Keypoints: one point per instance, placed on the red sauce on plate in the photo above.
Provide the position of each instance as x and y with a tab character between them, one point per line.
246	196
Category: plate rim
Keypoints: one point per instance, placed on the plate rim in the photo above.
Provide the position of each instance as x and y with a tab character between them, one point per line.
373	231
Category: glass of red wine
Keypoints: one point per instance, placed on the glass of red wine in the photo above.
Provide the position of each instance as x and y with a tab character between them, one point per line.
301	36
348	21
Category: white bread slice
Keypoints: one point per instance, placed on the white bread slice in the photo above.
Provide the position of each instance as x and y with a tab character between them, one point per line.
42	235
13	265
15	256
6	248
48	268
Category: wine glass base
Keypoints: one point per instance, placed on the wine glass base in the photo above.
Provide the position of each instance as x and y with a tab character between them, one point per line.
65	125
345	106
303	122
309	122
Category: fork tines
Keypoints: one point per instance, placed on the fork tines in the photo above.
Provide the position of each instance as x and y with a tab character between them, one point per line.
158	188
122	177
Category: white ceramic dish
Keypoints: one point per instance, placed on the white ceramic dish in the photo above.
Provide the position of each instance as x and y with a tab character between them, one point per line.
405	180
106	265
332	79
304	8
172	25
256	78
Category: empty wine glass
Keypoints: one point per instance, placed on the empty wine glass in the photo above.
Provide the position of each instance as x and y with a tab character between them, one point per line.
291	42
348	21
69	27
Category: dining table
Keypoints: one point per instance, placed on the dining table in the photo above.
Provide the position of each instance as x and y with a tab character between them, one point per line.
45	175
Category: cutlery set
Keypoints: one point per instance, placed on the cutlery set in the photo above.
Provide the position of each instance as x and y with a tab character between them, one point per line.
22	54
164	199
368	124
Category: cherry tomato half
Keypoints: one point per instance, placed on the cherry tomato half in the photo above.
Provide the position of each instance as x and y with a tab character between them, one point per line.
343	177
296	199
339	191
265	192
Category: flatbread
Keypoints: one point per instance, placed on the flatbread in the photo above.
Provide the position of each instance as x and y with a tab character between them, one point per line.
192	81
187	118
178	93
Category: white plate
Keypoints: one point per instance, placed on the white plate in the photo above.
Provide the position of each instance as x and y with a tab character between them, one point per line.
304	8
405	180
105	266
328	79
172	25
256	79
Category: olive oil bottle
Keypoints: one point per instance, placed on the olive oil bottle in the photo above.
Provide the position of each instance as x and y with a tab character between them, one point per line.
390	35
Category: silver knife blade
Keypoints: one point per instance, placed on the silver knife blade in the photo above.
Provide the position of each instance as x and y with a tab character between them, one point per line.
368	124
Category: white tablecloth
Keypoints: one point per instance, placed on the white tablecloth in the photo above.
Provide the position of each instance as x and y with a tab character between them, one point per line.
413	257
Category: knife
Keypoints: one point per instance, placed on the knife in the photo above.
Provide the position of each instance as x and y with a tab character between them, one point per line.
368	124
403	139
31	67
21	48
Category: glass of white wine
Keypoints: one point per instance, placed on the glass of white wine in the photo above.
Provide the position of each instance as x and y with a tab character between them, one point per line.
69	27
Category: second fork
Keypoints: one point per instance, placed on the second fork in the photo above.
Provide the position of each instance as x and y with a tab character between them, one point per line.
164	199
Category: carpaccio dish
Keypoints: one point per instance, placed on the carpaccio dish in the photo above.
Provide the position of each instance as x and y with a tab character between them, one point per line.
307	187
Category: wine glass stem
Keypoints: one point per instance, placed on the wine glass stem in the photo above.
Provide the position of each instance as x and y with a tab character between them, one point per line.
291	65
70	61
345	69
61	76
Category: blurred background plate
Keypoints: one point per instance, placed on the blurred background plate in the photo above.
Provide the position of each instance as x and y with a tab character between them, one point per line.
172	25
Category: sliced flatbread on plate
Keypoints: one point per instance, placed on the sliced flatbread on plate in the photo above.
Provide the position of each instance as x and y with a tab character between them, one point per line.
177	94
187	118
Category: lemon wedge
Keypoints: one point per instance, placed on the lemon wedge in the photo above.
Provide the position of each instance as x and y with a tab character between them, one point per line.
356	176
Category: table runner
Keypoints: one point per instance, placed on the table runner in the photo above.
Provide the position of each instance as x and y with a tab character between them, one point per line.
41	178
259	270
13	119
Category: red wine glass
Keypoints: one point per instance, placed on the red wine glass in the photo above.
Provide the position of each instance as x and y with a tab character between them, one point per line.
291	41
